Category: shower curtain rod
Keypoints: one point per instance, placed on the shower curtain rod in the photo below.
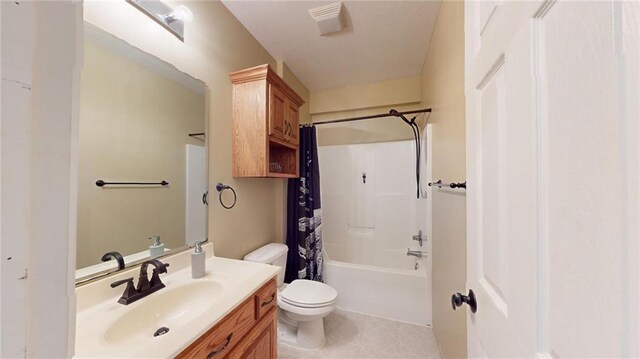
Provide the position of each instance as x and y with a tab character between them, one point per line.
390	114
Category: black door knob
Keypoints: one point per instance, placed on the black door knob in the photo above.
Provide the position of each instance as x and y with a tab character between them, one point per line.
457	300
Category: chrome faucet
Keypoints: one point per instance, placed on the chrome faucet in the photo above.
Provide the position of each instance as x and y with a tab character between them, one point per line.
145	286
418	254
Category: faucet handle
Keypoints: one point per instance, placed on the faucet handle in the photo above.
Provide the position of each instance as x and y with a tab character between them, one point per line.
121	282
128	292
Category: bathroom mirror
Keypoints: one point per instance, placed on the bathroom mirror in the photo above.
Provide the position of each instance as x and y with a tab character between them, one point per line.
142	156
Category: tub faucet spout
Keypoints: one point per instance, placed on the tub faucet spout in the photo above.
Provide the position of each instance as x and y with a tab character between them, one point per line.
418	254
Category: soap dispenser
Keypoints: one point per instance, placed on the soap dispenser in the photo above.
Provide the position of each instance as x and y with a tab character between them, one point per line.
197	261
156	248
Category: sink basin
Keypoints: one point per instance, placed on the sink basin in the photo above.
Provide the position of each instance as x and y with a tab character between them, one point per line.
167	308
178	314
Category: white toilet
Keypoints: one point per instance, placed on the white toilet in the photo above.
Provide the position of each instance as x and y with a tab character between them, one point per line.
302	304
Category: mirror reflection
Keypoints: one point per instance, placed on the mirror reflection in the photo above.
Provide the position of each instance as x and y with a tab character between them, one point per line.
141	133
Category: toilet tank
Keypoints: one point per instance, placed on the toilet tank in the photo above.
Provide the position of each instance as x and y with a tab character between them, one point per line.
272	253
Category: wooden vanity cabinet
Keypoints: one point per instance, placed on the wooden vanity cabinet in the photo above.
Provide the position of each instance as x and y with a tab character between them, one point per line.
249	331
265	124
261	342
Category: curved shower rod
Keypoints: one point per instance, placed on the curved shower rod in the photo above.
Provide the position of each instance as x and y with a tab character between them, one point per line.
394	113
391	113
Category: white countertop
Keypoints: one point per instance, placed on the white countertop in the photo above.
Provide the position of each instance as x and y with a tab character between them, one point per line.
98	310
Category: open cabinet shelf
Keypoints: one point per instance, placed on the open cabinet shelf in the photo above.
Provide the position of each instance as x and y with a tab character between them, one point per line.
283	160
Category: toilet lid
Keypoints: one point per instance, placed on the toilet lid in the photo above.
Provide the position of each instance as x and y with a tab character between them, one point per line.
308	293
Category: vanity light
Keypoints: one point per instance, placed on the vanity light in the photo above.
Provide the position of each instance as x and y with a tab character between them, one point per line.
169	18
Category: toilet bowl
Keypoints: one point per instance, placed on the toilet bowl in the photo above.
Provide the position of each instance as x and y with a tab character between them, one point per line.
302	304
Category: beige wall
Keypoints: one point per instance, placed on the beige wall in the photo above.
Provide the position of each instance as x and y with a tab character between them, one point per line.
133	127
389	92
443	90
362	100
215	44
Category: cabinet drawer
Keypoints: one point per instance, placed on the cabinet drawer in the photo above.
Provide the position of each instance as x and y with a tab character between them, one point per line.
266	298
219	340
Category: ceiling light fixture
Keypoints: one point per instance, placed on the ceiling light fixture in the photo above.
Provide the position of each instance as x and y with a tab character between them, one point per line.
329	18
171	19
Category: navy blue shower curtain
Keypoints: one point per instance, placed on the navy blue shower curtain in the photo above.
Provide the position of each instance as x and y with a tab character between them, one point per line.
304	214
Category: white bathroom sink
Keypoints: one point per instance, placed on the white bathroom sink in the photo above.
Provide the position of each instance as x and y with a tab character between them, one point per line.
187	307
168	308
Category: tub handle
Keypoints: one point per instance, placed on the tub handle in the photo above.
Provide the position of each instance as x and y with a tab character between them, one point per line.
419	237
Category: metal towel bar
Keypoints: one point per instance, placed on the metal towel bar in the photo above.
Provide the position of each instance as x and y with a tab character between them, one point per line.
101	183
439	184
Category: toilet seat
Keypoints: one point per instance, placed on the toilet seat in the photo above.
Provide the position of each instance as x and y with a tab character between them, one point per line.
303	293
310	306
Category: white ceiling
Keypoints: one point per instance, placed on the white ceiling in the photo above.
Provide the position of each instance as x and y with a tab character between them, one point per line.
383	39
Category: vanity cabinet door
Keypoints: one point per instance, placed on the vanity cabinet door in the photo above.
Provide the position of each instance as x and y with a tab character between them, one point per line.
221	339
277	112
261	342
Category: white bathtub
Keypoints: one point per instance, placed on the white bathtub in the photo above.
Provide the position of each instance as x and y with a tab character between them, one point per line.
396	294
370	214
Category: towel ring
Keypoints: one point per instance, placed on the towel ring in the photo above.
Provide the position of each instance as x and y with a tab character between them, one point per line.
220	188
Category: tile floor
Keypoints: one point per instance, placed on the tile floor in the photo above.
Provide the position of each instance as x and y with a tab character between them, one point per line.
353	335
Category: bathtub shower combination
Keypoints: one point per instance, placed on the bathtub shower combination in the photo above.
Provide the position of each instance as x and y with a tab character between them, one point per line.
371	215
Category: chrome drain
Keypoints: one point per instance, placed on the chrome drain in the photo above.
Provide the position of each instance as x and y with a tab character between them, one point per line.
161	331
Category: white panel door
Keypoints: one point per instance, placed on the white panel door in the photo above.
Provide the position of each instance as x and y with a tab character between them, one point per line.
552	94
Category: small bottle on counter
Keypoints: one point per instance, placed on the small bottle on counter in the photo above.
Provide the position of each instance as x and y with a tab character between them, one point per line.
198	261
156	248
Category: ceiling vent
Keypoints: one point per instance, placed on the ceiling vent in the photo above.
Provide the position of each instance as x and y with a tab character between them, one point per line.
330	18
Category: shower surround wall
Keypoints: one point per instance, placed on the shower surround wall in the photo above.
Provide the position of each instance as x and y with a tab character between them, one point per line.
370	215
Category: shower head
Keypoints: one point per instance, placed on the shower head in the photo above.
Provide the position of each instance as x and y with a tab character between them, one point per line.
395	113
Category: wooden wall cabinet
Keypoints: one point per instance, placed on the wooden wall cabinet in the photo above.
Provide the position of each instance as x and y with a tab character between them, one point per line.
265	124
249	331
